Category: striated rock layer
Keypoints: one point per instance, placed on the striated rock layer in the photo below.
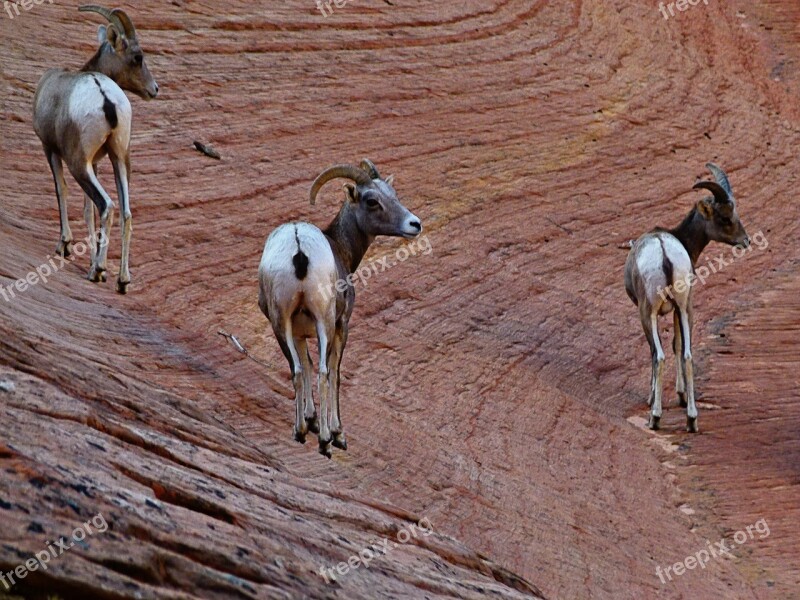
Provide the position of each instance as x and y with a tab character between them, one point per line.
492	386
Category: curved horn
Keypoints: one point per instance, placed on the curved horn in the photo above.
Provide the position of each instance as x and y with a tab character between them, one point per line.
360	176
369	167
130	30
720	195
116	17
721	177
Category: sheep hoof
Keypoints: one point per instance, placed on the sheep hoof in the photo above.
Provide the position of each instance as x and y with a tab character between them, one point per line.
299	436
691	424
339	441
97	275
325	448
122	287
313	424
64	248
682	399
655	423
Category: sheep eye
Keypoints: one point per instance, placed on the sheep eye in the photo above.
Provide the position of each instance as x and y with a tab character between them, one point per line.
372	202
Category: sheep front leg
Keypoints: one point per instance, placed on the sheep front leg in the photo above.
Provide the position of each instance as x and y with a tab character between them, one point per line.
339	342
64	247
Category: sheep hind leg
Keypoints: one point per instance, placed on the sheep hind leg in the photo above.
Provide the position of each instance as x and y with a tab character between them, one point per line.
650	325
680	367
309	411
121	172
691	407
88	215
324	335
64	247
282	328
645	316
87	179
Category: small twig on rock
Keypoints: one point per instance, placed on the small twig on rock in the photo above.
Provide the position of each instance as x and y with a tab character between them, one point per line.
238	345
279	385
561	227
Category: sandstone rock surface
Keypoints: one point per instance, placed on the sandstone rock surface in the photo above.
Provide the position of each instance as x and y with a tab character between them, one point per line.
491	386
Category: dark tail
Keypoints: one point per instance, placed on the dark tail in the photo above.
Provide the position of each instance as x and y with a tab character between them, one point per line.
668	269
666	264
299	260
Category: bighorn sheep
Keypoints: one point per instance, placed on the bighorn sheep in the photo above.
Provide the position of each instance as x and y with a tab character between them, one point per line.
82	117
305	289
659	274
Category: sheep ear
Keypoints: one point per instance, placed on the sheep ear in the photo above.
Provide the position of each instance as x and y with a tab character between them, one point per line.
102	34
389	179
705	208
350	192
116	39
